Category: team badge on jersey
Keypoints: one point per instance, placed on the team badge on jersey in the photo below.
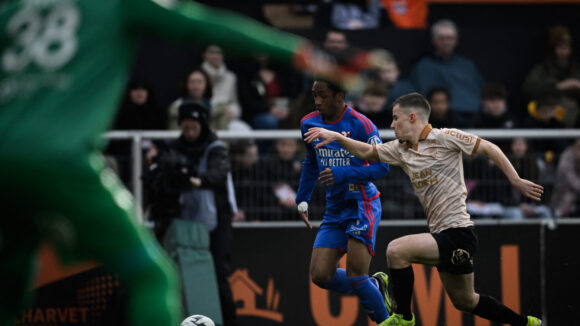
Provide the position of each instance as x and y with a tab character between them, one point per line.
345	133
374	140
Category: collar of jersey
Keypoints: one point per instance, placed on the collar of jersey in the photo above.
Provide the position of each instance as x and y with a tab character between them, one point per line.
423	136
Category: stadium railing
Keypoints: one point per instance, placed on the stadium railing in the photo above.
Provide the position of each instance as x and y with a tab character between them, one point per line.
405	211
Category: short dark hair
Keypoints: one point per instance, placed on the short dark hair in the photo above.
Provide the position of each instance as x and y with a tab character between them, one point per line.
334	87
494	91
415	101
438	89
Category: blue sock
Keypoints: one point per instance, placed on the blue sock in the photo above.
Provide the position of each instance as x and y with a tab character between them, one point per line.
370	297
339	282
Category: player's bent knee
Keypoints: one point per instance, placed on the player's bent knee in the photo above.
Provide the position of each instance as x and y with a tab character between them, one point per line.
395	253
319	277
464	302
320	280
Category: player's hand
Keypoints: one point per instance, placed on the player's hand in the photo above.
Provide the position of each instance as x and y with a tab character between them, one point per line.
303	211
529	189
326	136
326	177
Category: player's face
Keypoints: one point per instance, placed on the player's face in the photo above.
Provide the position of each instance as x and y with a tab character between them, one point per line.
190	129
326	101
401	124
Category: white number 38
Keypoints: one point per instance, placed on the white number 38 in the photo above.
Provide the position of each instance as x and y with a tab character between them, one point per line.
49	40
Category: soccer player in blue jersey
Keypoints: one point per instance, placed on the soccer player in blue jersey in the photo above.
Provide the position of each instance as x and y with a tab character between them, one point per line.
353	206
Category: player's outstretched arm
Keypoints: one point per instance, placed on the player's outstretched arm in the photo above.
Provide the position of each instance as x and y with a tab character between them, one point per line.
526	187
359	149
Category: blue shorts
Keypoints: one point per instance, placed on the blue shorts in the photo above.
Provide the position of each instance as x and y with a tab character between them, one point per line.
360	221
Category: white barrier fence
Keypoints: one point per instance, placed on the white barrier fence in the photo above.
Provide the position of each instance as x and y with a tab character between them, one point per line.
136	138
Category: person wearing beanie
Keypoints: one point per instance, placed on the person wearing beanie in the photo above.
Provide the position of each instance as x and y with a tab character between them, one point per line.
191	174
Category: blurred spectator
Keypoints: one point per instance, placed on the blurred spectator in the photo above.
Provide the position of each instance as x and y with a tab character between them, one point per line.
526	166
372	103
195	86
139	109
335	41
389	75
407	13
494	111
441	116
445	68
558	73
491	195
488	190
566	196
249	183
264	94
283	172
225	106
546	113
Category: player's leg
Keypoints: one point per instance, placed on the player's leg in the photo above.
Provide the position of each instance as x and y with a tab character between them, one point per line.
462	293
329	246
101	212
401	252
362	234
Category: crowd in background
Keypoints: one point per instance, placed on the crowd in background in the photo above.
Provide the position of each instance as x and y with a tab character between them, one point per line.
265	95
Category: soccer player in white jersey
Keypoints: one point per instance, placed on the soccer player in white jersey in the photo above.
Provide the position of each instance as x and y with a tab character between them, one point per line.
432	158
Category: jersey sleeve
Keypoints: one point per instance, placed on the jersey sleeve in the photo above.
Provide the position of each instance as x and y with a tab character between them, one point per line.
458	140
190	21
357	174
389	152
309	174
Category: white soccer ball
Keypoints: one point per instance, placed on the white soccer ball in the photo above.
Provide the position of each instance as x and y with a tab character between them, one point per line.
197	320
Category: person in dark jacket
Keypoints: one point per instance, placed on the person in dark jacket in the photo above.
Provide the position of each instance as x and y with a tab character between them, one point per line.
196	160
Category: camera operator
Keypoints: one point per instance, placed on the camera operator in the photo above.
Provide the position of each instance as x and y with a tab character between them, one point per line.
190	180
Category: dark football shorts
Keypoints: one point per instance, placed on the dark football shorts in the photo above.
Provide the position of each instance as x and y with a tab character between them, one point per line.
457	247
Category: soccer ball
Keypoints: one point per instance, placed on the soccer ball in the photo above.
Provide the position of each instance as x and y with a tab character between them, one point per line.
197	320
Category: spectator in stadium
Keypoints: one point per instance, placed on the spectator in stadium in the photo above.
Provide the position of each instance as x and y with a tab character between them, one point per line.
440	187
139	109
373	104
388	74
195	86
249	182
191	181
494	112
492	196
446	68
546	113
566	196
526	165
224	101
558	73
441	117
264	91
282	170
353	206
